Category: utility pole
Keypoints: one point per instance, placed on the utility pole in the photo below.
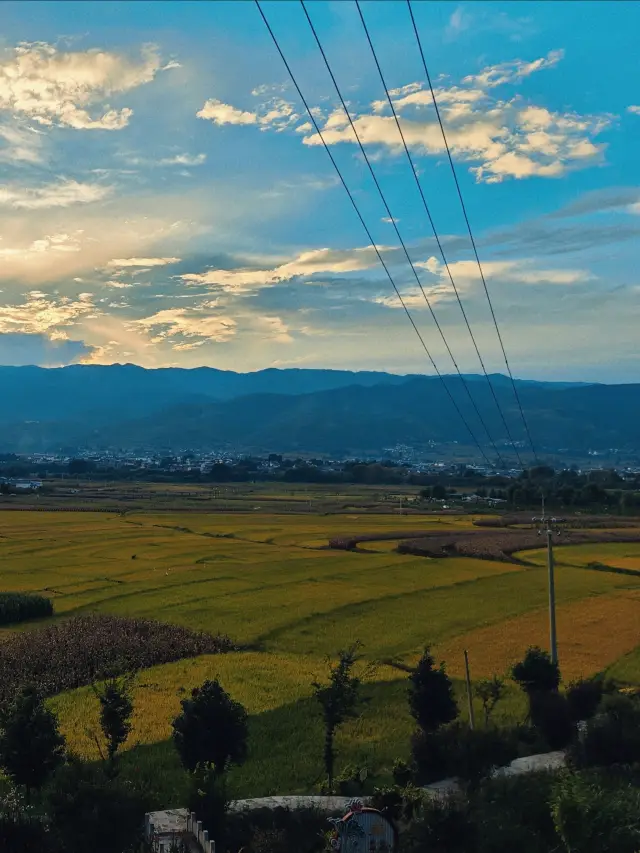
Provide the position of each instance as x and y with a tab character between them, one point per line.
547	525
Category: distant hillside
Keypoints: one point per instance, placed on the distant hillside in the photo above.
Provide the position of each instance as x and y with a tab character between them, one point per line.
295	410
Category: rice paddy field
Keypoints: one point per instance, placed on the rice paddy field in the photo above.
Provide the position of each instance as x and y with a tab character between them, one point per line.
269	580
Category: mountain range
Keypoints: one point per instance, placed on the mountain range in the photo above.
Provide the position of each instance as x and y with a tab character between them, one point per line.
297	410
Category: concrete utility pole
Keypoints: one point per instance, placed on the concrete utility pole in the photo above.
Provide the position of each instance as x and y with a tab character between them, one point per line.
548	525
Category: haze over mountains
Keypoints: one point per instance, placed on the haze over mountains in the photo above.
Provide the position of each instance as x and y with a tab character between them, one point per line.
321	411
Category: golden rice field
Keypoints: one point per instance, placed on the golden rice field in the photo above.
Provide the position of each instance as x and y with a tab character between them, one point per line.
269	581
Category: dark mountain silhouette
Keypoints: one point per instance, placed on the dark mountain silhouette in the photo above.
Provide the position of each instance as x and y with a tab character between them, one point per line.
123	406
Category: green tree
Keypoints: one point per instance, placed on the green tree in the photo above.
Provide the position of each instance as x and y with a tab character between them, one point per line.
489	691
211	730
438	492
31	747
431	699
339	701
536	672
116	710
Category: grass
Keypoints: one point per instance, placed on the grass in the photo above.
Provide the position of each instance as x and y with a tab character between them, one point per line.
268	580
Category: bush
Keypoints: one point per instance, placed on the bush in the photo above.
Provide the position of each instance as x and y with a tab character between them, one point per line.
457	751
301	829
536	673
78	651
445	826
475	754
513	813
584	697
595	815
20	830
209	799
353	782
90	811
22	606
551	715
611	737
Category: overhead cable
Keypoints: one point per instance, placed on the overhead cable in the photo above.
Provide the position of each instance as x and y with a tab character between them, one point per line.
368	233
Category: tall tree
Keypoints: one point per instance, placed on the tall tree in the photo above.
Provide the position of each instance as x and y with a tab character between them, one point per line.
431	699
116	710
339	701
211	730
31	747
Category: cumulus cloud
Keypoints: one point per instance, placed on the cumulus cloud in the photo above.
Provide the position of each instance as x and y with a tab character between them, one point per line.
53	87
467	278
305	264
41	313
634	109
221	113
510	72
61	194
199	321
276	114
499	138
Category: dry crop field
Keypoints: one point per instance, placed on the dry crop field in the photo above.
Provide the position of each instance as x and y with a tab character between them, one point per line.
270	582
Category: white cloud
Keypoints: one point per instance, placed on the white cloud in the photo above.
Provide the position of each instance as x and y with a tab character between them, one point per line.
634	109
196	322
275	113
117	263
220	113
53	87
45	314
305	264
184	160
21	144
273	329
62	194
390	219
467	279
509	72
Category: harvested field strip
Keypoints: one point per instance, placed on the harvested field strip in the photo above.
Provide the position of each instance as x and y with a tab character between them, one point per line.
592	634
399	624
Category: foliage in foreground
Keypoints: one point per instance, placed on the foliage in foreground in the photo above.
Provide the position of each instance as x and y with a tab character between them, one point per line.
116	710
78	651
31	747
22	606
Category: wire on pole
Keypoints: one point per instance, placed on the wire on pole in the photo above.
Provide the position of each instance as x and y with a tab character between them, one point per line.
367	231
468	224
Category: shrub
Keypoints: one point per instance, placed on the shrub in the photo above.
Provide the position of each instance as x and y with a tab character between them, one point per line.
535	673
352	781
78	651
303	830
31	747
22	606
21	831
584	697
445	826
490	691
90	811
208	798
116	710
457	751
399	804
611	737
403	773
551	715
431	698
593	815
513	813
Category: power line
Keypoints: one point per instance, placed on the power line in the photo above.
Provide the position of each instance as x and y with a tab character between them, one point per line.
399	236
368	233
435	233
466	219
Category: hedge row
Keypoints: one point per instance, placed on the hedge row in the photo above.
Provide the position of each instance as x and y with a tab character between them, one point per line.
22	606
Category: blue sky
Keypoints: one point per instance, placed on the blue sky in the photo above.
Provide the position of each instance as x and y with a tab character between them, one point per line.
164	199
